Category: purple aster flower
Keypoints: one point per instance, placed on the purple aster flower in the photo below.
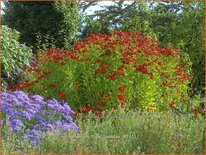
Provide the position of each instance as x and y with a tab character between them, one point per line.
20	93
3	121
56	107
67	118
65	126
52	102
46	126
67	109
74	127
13	112
37	98
34	141
35	133
17	102
6	106
16	124
68	126
36	127
28	115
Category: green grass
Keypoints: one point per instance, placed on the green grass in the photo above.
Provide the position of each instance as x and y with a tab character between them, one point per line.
120	133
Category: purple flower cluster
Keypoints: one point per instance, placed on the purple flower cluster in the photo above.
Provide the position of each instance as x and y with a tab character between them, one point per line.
33	117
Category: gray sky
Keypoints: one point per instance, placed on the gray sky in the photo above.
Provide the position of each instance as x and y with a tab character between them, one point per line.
101	3
2	5
91	9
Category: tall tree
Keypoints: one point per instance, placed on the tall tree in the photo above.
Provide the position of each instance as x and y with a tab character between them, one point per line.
58	20
140	20
109	18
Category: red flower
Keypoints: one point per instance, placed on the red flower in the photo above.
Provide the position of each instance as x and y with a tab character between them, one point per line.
121	89
121	70
46	73
121	97
103	67
97	71
151	76
128	59
142	69
112	75
85	59
105	96
102	104
172	104
97	113
33	69
74	56
165	83
98	62
76	84
164	75
123	104
62	95
85	109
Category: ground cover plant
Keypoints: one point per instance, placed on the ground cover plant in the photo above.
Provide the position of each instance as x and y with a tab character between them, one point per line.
105	71
121	132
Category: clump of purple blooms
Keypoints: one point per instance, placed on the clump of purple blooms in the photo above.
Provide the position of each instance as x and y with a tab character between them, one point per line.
32	116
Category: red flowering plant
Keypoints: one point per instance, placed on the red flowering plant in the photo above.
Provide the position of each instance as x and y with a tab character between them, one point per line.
122	69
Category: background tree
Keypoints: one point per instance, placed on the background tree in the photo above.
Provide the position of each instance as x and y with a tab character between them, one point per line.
140	20
58	20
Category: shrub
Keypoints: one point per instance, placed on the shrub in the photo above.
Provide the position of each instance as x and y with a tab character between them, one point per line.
31	117
15	57
123	133
106	71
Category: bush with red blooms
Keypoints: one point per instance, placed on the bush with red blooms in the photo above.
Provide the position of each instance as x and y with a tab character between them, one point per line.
122	69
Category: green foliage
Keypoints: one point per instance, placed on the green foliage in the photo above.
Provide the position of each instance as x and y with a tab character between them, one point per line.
121	132
45	42
14	57
91	27
59	20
